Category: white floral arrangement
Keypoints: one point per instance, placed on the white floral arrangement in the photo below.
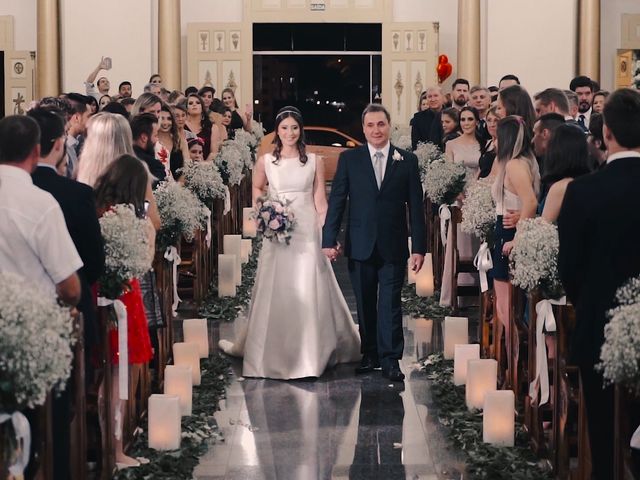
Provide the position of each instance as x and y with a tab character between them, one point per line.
257	130
401	137
181	213
534	258
126	249
203	179
246	139
479	210
444	181
232	161
36	336
620	352
427	153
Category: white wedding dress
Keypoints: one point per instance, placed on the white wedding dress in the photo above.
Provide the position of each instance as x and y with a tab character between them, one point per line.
298	323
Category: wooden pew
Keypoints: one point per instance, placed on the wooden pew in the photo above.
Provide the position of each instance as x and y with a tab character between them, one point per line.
626	420
79	419
459	265
519	346
105	316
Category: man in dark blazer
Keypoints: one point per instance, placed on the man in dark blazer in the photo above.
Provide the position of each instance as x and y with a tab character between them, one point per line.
422	121
79	210
380	181
599	228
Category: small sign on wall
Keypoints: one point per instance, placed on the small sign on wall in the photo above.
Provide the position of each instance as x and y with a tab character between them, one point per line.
318	6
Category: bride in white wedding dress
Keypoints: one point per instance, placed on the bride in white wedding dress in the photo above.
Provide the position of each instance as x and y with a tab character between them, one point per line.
298	323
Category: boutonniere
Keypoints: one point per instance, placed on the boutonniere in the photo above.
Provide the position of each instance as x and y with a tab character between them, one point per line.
397	157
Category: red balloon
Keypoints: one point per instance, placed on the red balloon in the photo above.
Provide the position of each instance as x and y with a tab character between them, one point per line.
443	59
443	70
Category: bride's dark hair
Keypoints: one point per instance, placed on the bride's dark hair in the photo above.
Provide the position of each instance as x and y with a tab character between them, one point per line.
294	113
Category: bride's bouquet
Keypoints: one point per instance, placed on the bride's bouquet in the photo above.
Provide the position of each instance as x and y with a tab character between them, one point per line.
275	219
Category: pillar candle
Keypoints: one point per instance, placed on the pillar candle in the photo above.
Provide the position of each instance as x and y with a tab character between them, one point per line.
164	422
424	278
463	353
498	418
195	330
247	246
248	223
226	275
232	245
178	381
456	330
187	355
482	377
422	333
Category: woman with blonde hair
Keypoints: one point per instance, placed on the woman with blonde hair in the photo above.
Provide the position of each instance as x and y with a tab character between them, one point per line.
147	103
237	121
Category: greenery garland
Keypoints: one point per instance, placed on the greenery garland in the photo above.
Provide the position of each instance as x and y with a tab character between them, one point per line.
227	308
428	307
464	429
197	431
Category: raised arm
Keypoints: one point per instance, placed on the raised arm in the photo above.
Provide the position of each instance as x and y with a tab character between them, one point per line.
259	182
319	191
101	66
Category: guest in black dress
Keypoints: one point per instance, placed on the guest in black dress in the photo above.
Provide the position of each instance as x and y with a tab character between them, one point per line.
237	121
489	152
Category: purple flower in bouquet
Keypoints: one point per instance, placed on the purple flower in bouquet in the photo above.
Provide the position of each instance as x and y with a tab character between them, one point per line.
275	219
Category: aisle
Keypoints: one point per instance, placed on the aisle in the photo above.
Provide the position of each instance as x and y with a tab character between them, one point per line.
340	426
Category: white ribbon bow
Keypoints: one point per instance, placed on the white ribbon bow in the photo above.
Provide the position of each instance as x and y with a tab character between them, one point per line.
483	263
546	319
445	216
208	237
123	345
227	200
23	438
171	254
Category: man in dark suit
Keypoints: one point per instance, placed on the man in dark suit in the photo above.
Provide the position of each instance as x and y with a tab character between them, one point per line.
380	182
79	210
422	121
599	228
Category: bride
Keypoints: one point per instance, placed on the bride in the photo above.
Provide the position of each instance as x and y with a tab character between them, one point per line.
298	323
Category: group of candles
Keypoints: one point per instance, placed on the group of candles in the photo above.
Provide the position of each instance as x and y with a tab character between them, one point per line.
480	378
166	410
236	251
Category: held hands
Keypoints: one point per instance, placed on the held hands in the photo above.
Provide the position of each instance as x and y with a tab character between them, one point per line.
415	264
333	253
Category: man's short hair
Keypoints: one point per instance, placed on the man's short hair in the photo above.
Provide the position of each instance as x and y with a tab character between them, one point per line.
122	84
59	103
189	90
118	108
580	81
622	117
376	107
127	101
572	97
51	122
142	124
477	88
555	95
510	76
459	81
78	102
19	135
550	121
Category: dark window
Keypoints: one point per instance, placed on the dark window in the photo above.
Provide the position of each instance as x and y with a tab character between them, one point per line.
324	37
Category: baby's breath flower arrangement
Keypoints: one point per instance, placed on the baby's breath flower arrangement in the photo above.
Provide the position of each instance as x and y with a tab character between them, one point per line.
181	213
534	258
35	344
479	210
620	353
427	153
257	131
231	161
444	181
401	137
126	248
246	139
203	179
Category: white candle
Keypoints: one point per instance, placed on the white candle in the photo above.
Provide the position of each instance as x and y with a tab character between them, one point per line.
463	353
226	275
482	377
178	381
247	246
232	245
424	278
164	422
498	418
195	330
187	355
456	330
248	223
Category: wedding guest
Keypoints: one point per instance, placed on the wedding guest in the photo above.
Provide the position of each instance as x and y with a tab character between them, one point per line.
92	104
507	81
450	126
488	156
124	89
480	99
103	102
542	131
198	122
515	187
597	104
237	120
147	103
155	79
144	131
552	100
170	142
154	89
583	87
210	102
189	90
176	97
515	100
423	120
423	104
195	150
128	103
599	227
573	103
116	107
459	93
598	148
76	129
102	86
494	94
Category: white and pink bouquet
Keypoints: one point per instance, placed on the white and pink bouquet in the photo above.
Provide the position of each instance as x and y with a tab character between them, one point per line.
275	219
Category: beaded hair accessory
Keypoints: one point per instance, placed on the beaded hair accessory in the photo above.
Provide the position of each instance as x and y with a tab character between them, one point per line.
293	110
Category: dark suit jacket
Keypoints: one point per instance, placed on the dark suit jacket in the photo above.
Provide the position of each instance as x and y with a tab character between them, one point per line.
421	127
79	209
376	217
599	228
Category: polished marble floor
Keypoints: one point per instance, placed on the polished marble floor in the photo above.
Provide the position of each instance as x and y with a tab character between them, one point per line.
340	426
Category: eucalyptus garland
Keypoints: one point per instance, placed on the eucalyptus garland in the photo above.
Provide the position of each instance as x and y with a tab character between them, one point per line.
199	431
428	307
464	429
227	308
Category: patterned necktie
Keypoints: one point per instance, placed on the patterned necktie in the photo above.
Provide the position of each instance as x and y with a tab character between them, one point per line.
581	120
377	166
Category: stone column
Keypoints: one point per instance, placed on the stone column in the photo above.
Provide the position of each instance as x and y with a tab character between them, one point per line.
468	41
48	49
589	38
169	38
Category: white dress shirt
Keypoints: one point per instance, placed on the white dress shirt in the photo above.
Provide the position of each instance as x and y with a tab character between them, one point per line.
623	154
385	155
34	240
